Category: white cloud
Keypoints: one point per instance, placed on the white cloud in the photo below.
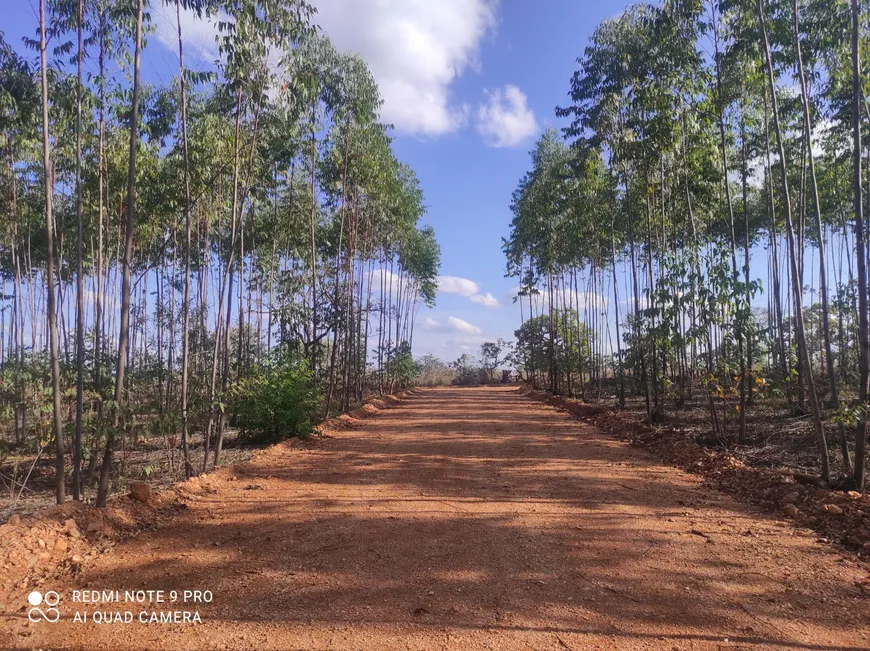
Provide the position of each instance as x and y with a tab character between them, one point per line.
389	282
506	120
415	49
198	34
463	326
569	298
465	344
457	285
467	288
487	300
453	324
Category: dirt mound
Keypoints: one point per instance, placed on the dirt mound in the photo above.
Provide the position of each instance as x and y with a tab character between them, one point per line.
843	518
368	409
63	538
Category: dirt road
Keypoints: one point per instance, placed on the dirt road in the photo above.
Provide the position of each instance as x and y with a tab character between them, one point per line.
470	519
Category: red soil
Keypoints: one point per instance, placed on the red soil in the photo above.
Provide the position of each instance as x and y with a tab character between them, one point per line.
467	519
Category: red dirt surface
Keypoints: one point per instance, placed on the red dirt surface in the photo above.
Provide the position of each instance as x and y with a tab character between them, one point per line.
467	519
841	517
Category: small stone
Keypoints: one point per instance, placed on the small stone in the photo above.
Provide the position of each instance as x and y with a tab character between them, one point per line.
790	498
60	545
70	524
74	533
790	510
832	509
41	543
853	495
14	519
76	559
94	526
140	491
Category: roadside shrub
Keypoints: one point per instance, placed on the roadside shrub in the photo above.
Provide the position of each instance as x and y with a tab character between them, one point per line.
401	369
276	403
432	372
467	372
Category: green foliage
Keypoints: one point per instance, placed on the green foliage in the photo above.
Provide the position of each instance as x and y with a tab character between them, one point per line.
401	369
493	353
276	402
467	372
268	202
432	372
567	345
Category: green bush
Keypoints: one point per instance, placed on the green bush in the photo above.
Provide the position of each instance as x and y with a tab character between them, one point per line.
276	403
432	372
401	368
467	372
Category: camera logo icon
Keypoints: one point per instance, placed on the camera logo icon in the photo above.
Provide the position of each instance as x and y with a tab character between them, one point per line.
50	599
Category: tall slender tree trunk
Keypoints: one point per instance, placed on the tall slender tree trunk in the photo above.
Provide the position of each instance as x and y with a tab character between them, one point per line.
312	227
59	483
656	412
551	351
124	331
225	377
823	273
797	290
774	247
185	308
80	279
746	385
860	254
219	336
723	147
98	300
618	365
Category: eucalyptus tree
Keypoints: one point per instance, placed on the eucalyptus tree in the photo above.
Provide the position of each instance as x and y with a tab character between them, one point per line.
20	101
274	186
80	280
126	264
688	160
355	99
51	300
538	213
860	252
245	44
819	232
797	289
185	301
315	77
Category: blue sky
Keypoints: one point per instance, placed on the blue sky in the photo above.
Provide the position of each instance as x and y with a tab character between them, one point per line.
515	55
469	85
468	181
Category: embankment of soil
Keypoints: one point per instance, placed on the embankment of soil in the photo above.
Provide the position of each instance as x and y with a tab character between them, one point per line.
841	517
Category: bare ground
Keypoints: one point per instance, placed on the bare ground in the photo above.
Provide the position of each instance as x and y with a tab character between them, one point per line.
469	519
148	458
